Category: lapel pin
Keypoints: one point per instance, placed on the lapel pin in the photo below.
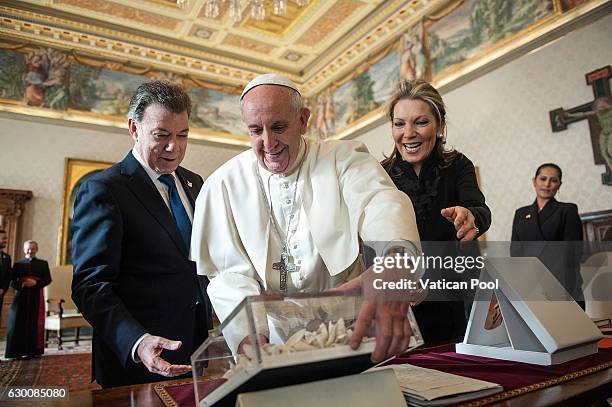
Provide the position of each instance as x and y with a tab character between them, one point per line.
189	184
528	216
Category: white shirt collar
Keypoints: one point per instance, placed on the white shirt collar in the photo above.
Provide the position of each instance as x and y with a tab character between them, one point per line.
150	172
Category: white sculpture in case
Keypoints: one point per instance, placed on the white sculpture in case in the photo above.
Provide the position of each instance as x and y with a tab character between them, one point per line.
531	318
308	342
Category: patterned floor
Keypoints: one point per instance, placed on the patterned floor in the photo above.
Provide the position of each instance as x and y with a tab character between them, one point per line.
70	366
69	346
70	369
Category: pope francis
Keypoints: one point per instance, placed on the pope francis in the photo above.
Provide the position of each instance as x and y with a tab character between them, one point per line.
287	215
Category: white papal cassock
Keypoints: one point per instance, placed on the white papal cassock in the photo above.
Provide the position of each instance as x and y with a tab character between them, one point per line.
342	194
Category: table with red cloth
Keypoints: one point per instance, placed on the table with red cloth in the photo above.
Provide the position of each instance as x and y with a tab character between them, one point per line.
516	378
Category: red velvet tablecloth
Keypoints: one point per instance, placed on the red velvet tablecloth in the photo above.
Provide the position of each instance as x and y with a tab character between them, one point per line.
516	378
443	358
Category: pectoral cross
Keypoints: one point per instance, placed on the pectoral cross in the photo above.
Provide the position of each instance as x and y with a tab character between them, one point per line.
599	80
284	266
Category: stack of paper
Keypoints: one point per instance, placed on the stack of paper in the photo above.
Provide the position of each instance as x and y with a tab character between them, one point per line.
429	387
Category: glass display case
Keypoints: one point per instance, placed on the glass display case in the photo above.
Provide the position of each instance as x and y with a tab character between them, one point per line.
274	340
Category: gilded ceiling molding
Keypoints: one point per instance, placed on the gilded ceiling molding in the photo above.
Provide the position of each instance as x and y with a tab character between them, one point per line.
14	22
120	51
189	79
125	12
367	42
115	66
445	11
359	31
248	44
13	47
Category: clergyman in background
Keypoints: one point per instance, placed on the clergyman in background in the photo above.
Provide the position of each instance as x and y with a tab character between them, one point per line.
26	322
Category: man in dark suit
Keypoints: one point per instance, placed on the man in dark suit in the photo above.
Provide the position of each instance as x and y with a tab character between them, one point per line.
5	268
133	280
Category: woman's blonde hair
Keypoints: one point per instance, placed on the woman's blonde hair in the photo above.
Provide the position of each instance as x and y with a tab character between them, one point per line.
419	89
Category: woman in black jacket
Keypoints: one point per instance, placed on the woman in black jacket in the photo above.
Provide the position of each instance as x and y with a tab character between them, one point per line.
554	222
441	184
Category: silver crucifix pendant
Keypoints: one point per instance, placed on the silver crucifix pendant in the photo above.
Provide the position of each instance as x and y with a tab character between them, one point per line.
284	266
280	266
287	260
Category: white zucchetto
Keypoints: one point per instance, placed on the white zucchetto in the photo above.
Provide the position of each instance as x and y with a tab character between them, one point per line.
269	79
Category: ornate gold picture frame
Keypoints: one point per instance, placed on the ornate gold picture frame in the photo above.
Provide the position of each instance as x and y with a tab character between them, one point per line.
76	171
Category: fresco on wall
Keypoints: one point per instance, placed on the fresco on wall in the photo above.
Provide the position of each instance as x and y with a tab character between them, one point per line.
475	25
570	4
39	78
322	115
367	91
411	54
12	66
217	111
45	79
459	34
49	78
102	90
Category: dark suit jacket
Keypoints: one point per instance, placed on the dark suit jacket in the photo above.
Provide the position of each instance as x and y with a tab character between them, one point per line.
554	235
436	188
132	274
5	271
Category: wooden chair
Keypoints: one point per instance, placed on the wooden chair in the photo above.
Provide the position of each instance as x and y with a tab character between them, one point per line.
61	312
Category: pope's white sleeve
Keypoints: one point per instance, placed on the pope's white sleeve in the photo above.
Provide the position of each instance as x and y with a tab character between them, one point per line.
226	291
219	254
385	213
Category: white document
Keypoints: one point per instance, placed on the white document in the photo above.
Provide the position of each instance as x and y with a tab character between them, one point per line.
424	386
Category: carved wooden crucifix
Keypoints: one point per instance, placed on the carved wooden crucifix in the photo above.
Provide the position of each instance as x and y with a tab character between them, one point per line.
598	112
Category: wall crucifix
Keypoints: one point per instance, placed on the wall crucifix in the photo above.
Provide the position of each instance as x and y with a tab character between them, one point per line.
598	113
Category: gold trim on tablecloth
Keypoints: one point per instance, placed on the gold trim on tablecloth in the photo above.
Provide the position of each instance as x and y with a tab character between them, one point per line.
168	401
165	397
536	386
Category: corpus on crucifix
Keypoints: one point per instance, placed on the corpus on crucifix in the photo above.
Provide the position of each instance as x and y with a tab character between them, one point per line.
598	112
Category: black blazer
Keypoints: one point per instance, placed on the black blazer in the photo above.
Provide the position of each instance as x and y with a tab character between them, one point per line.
558	223
5	271
132	273
442	317
437	188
